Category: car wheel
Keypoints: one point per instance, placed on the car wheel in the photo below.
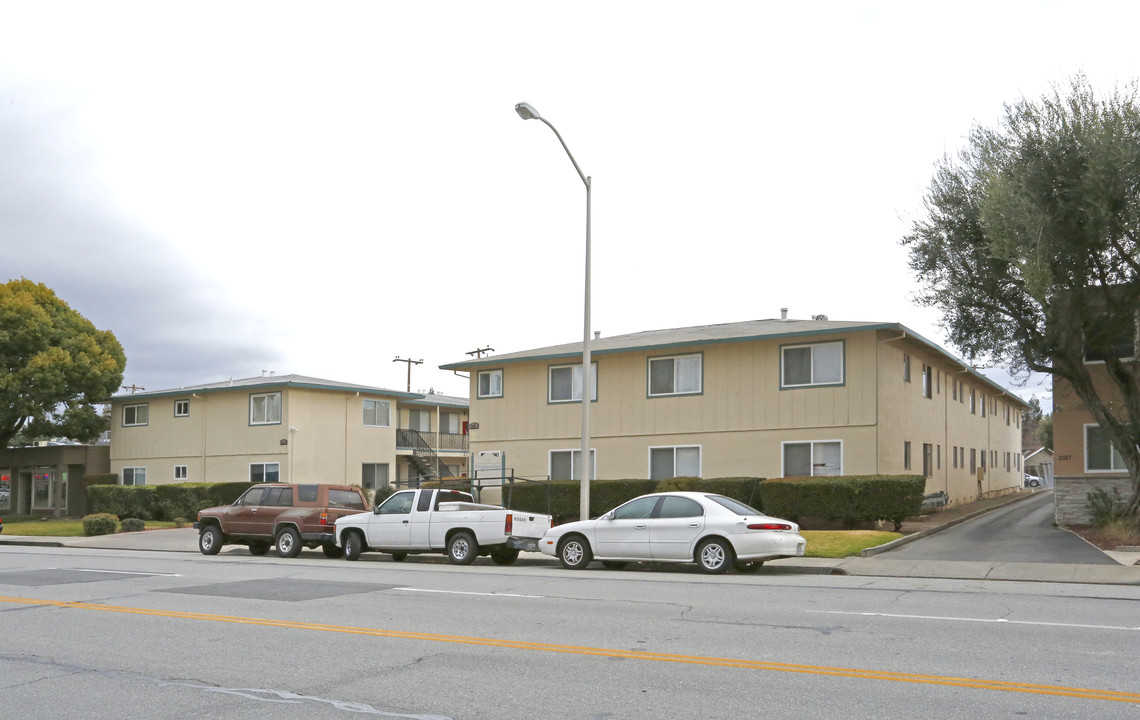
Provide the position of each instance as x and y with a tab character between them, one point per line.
746	567
288	542
574	553
714	556
613	564
504	557
210	540
258	547
353	545
462	548
399	557
332	550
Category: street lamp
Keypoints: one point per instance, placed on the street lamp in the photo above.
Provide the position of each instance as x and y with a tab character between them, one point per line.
526	112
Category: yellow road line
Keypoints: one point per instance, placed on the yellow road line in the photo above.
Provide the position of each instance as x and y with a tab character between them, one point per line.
1000	685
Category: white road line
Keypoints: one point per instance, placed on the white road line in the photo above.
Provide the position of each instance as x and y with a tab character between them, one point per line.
459	592
978	620
122	572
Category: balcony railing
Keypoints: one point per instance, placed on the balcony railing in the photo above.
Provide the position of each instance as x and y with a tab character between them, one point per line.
446	442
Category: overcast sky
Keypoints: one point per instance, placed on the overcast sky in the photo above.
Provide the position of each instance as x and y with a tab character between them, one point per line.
318	188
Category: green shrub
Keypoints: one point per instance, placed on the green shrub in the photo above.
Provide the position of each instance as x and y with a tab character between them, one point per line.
100	479
162	502
1105	508
380	494
744	489
850	499
99	524
132	525
181	522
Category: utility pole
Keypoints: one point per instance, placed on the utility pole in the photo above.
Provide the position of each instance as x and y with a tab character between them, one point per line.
410	363
479	353
133	388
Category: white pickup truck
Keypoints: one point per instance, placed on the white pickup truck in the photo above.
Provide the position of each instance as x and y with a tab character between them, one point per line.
441	521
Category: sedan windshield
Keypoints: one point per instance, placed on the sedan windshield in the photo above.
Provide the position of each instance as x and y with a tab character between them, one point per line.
734	505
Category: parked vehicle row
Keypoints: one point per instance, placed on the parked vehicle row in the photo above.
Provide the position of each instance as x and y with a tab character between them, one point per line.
714	531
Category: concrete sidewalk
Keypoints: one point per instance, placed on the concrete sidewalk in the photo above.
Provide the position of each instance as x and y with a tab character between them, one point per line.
872	564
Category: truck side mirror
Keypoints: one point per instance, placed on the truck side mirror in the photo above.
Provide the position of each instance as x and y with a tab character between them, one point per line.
376	510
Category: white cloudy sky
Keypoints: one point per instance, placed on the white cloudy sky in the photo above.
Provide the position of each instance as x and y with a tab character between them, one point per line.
317	188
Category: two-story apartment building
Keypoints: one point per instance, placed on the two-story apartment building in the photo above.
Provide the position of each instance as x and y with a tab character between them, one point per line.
769	398
287	428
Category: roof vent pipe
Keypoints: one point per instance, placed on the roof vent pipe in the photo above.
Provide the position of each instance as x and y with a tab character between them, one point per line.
597	334
783	313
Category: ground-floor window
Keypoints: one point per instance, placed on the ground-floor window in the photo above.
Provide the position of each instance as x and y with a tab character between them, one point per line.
181	472
813	458
41	490
927	459
669	462
566	464
265	472
1100	451
5	489
374	476
134	476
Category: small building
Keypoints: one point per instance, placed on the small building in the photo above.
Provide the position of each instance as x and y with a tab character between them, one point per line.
763	398
48	480
287	428
1039	463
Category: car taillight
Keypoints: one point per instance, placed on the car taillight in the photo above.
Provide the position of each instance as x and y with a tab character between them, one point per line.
324	518
509	524
769	526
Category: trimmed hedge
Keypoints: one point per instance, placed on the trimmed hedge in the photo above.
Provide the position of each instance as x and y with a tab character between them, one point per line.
162	502
850	499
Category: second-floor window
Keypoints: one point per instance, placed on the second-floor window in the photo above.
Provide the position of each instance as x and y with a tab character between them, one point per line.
450	423
490	383
377	413
419	420
181	408
564	383
265	409
927	384
676	375
135	415
807	365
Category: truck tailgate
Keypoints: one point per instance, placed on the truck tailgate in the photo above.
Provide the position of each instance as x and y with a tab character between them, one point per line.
530	525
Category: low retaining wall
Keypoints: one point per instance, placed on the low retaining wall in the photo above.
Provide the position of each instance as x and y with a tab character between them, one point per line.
1071	495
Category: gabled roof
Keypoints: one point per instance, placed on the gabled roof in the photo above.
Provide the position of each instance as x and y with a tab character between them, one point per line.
267	382
680	338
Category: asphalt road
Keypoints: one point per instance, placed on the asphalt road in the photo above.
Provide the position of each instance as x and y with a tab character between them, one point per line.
109	634
1020	532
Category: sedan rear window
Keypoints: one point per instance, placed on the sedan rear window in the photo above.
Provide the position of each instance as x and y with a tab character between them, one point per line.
734	505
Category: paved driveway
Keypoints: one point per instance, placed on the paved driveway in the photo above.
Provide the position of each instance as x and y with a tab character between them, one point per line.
1020	532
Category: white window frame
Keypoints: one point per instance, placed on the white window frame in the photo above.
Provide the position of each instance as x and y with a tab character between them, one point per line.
268	420
264	471
1112	453
134	472
676	361
376	403
811	364
491	374
813	443
675	448
181	408
575	380
135	407
927	381
181	472
574	453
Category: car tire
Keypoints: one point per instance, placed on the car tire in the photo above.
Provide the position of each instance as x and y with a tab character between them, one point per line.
288	542
258	547
353	545
332	550
399	556
714	556
210	540
462	548
506	556
741	566
614	564
574	553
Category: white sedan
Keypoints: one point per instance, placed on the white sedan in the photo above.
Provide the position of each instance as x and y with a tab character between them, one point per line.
711	530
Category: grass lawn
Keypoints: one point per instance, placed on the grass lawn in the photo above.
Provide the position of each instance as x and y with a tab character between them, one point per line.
60	528
844	543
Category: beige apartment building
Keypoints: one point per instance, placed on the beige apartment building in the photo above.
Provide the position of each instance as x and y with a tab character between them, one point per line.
287	428
768	398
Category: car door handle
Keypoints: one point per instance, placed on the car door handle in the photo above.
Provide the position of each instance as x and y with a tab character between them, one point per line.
638	527
694	524
405	522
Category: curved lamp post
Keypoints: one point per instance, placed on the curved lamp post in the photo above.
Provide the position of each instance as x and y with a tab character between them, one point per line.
526	112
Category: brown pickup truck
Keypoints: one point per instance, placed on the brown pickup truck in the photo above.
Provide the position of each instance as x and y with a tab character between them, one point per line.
289	515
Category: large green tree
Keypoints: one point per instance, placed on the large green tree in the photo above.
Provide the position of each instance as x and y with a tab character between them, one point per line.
55	367
1028	247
